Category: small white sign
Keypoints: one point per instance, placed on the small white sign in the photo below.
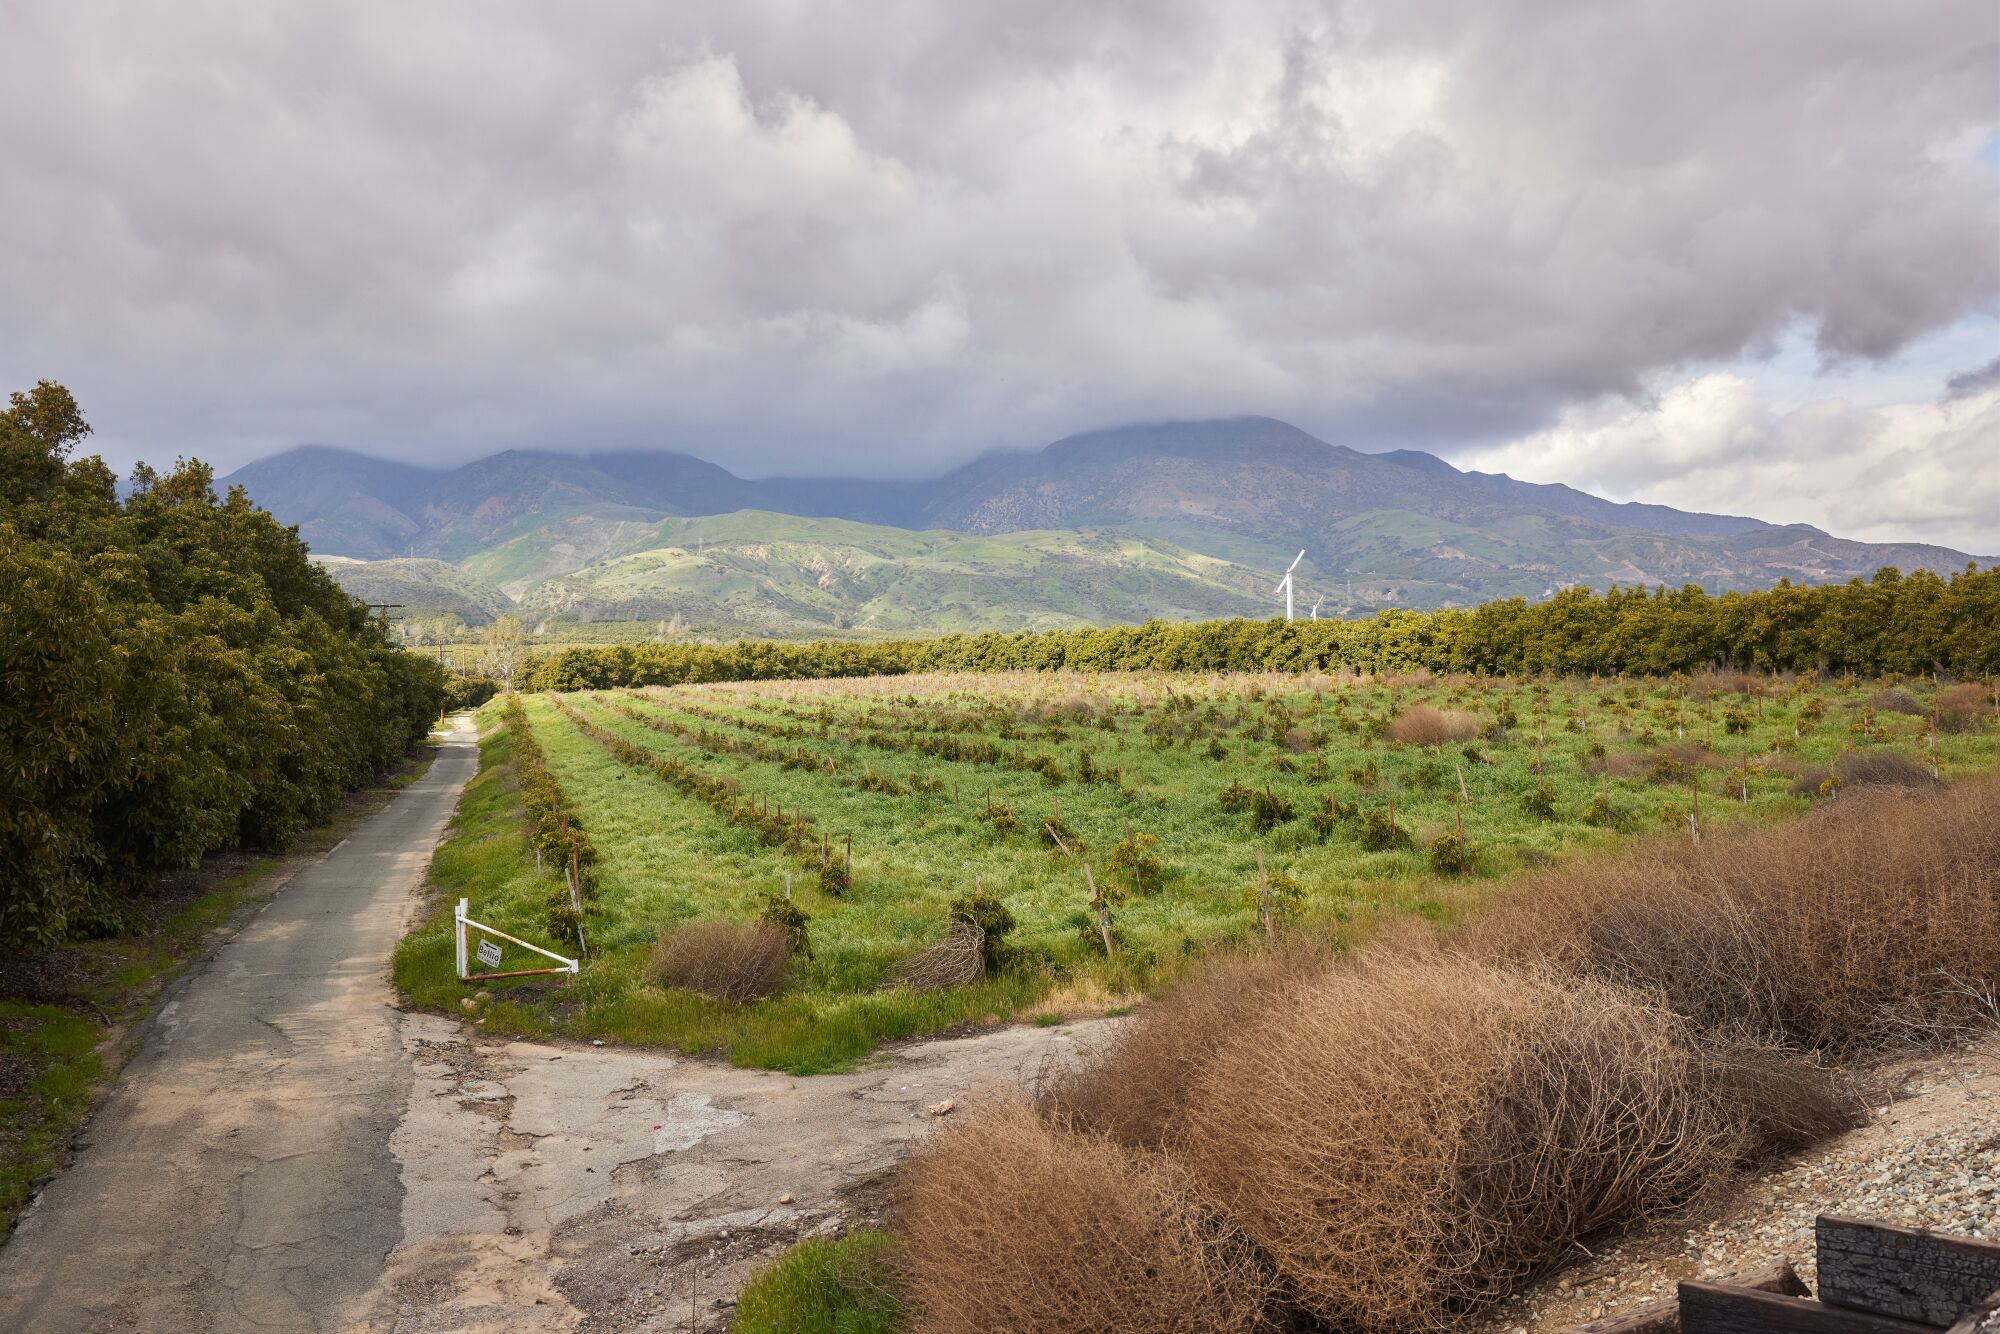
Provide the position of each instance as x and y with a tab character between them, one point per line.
489	954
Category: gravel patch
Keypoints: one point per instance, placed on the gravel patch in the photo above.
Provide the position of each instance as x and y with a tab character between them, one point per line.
1930	1158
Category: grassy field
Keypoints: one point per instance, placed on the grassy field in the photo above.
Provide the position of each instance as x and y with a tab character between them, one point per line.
1360	805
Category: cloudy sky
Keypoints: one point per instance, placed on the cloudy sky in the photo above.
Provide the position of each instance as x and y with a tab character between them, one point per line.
1742	257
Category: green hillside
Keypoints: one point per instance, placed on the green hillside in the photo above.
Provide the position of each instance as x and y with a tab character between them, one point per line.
758	573
1179	521
761	573
426	588
1173	519
542	545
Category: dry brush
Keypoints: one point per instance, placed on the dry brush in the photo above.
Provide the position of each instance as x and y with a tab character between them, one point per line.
1392	1140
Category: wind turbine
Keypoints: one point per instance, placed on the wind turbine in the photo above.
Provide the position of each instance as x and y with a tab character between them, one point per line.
1285	585
1316	601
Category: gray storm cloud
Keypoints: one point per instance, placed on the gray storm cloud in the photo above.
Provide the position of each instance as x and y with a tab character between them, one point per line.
1975	381
882	236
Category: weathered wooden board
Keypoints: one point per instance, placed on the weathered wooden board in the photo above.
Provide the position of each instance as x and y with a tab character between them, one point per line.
1663	1316
1981	1319
1715	1308
1931	1277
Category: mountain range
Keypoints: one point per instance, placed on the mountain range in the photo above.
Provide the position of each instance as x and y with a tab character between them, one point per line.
1180	519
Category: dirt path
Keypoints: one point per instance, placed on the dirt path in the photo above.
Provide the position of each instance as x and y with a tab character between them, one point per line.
287	1151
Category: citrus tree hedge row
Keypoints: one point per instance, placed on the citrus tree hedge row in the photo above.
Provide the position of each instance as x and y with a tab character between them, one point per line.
1891	623
175	677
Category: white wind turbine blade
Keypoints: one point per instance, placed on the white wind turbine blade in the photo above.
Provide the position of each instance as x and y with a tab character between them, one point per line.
1295	561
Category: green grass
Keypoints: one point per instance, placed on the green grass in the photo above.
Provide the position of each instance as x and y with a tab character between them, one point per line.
666	858
487	859
824	1287
58	1049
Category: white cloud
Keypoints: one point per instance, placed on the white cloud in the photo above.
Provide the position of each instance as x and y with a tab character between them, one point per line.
1913	471
881	236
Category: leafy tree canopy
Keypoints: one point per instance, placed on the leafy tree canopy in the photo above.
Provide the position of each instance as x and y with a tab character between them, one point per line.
175	677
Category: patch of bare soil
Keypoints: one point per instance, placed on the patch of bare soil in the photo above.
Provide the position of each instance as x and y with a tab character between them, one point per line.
1929	1158
16	1069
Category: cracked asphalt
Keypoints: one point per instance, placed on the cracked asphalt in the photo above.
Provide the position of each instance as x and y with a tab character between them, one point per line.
287	1151
239	1176
570	1187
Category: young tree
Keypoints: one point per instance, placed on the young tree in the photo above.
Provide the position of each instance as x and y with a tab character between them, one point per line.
507	643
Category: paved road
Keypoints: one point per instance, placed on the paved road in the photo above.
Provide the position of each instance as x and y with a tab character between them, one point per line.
240	1175
288	1152
557	1187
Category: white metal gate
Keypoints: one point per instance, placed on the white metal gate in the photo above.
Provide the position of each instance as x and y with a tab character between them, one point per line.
489	953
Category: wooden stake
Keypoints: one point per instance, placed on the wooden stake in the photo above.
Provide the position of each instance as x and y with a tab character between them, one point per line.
1103	912
1264	898
576	902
